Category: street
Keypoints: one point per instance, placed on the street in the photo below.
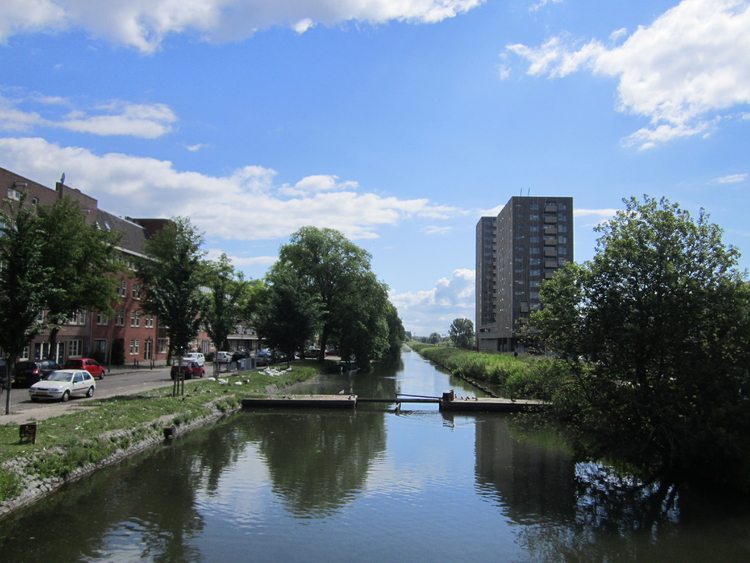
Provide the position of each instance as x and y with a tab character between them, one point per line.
116	382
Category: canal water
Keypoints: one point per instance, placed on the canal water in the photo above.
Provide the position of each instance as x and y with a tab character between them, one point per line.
373	485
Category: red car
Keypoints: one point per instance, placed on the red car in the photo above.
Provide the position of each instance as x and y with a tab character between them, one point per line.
190	369
92	366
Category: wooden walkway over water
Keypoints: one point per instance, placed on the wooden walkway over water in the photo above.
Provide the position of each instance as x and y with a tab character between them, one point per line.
448	402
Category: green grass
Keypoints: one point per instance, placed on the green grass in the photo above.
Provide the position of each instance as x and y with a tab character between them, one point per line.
74	440
497	369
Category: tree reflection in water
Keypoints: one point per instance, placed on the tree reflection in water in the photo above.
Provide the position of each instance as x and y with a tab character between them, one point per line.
318	461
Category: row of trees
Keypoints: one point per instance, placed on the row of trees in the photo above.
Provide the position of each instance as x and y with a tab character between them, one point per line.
321	286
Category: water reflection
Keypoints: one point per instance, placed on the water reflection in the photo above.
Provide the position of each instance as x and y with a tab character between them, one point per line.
361	486
318	461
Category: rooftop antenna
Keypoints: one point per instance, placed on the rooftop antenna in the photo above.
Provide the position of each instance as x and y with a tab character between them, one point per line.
520	193
62	178
528	190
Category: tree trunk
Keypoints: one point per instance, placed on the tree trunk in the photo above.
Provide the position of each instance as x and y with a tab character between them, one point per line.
9	372
53	342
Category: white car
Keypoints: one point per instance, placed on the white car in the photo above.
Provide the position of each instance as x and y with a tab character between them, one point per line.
196	357
223	357
62	384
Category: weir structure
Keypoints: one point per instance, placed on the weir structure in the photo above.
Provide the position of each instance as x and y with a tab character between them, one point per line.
448	402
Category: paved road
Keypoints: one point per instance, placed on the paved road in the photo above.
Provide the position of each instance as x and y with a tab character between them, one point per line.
123	381
116	382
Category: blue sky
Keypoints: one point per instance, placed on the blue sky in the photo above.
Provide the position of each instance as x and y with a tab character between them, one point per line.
398	122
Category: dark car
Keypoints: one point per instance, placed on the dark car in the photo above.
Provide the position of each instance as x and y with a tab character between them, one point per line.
189	368
29	372
92	366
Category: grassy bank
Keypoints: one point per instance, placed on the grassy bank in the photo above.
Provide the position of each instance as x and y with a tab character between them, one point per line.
523	377
104	426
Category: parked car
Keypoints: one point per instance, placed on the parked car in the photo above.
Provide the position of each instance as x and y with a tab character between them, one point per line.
29	372
189	368
311	353
196	357
223	357
92	366
262	358
63	384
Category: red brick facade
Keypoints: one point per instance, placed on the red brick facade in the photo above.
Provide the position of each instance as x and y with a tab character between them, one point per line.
142	338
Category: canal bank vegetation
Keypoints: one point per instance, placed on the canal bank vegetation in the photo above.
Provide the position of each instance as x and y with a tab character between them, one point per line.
69	443
654	334
522	377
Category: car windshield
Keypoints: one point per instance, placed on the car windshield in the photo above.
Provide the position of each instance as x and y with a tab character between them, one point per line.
59	376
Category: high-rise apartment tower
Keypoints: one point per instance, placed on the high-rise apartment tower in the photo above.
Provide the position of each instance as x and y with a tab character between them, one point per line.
528	241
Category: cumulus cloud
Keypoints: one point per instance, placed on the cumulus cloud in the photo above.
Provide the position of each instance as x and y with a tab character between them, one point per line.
115	118
144	24
246	205
433	310
681	72
242	261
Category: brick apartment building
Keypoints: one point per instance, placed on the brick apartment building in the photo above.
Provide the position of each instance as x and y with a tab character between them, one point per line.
89	331
524	244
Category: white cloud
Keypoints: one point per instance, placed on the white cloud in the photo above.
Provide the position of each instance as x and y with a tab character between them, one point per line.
541	4
435	309
139	120
242	261
690	64
196	148
732	179
244	206
434	230
317	183
116	118
144	24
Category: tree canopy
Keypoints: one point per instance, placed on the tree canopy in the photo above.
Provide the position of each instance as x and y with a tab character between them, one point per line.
656	333
288	314
80	256
462	333
352	307
226	303
25	286
173	275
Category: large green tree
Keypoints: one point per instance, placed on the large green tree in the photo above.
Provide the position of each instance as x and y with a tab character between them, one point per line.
462	333
353	308
25	281
287	314
330	266
361	329
80	256
222	308
656	332
173	274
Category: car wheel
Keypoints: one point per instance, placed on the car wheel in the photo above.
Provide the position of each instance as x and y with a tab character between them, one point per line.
101	376
35	399
90	392
65	397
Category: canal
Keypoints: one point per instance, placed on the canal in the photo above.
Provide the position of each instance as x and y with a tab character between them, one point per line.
373	485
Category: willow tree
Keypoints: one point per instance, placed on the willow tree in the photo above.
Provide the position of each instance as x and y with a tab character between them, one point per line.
173	275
